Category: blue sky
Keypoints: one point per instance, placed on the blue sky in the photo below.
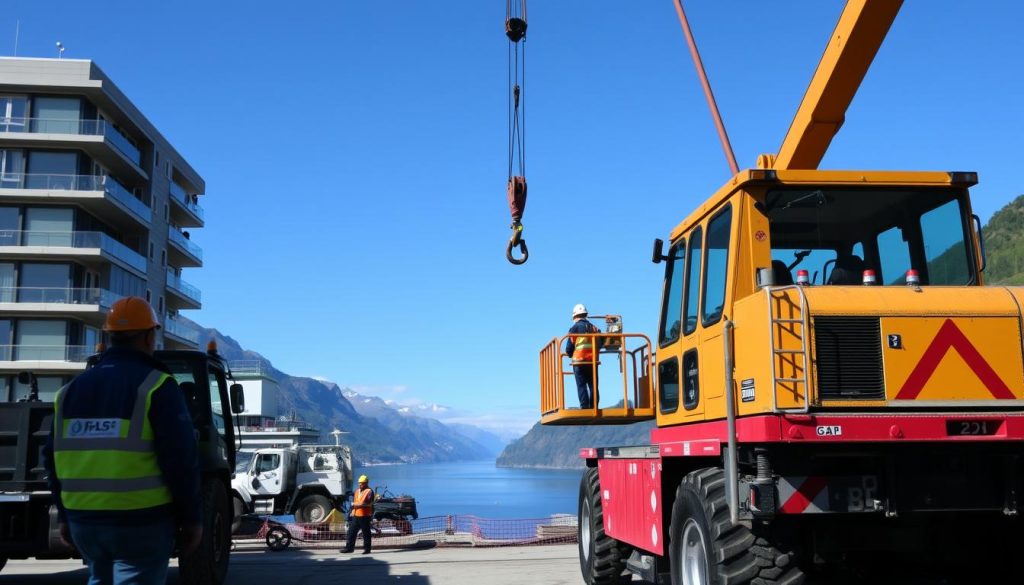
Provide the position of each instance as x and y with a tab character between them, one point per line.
355	157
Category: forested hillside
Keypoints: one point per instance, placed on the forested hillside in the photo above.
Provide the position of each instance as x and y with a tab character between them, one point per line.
1004	245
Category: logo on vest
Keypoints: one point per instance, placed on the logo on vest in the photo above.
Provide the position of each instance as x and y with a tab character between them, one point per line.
94	428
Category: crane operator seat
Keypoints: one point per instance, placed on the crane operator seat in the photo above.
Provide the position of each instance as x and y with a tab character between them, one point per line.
849	269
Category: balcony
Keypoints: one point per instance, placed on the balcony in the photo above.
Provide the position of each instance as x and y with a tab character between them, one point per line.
76	127
193	214
106	184
186	291
181	331
59	296
250	370
192	253
107	246
45	353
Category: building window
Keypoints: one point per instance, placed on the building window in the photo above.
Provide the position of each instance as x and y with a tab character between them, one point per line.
163	257
12	167
51	170
5	340
56	115
40	340
44	283
48	226
167	212
13	113
149	295
6	284
160	305
151	250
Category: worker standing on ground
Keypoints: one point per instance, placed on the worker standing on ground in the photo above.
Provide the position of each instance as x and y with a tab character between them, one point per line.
122	460
362	513
582	351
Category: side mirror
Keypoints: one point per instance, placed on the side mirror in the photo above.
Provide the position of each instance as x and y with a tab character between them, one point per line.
657	256
255	484
237	398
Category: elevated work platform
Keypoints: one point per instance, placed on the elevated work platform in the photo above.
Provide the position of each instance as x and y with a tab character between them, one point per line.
627	392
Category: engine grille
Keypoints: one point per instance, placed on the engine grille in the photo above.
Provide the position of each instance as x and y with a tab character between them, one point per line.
848	351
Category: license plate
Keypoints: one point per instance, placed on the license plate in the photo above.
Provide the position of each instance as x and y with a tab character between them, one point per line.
973	428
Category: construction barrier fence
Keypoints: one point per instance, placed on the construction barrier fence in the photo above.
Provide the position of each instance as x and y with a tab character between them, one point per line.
423	532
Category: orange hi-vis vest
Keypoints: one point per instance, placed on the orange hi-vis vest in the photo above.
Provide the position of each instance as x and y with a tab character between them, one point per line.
363	496
583	348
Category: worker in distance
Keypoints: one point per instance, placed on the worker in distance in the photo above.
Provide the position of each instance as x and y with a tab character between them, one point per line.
361	515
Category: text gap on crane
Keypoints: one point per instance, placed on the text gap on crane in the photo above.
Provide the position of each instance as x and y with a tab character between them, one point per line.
515	30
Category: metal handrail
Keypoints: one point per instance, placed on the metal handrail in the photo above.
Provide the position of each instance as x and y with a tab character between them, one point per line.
54	353
58	295
553	373
177	237
179	329
81	127
62	182
98	240
179	194
175	282
804	322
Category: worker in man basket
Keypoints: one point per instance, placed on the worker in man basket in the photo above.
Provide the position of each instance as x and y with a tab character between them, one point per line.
122	460
362	514
582	349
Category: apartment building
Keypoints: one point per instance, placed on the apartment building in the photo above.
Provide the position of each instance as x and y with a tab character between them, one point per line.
95	204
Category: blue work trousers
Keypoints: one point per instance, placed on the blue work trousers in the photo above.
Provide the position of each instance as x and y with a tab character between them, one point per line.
125	555
585	384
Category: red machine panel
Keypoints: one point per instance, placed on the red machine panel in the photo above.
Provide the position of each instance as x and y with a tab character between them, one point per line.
631	501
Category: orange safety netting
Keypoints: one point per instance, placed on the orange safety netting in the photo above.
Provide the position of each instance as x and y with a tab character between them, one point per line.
423	532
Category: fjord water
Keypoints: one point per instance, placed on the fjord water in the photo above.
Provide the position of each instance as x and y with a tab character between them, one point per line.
478	488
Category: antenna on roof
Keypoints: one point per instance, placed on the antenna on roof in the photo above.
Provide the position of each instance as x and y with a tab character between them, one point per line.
17	32
60	50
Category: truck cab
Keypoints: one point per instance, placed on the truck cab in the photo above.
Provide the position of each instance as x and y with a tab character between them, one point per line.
305	480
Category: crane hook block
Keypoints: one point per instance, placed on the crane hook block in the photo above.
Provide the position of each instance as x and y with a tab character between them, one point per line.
517	197
515	29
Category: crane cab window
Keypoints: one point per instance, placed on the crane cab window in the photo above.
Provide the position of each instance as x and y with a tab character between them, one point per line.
835	234
716	267
672	304
692	278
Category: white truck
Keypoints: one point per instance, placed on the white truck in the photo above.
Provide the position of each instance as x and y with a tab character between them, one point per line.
305	480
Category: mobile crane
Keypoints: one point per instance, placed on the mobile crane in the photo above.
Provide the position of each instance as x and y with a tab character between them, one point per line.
872	406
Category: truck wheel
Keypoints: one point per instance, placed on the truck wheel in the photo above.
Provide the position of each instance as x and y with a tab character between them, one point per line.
602	558
208	565
706	548
312	508
278	539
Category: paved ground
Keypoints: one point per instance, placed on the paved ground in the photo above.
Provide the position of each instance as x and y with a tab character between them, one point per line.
533	565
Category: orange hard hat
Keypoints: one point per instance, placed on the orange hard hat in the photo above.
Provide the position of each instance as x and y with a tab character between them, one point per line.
131	314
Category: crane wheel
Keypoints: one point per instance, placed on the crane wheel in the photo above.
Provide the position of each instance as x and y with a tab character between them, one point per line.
706	548
208	565
602	558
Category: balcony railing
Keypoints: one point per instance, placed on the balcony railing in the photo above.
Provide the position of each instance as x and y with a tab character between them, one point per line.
55	295
69	126
249	368
49	353
75	240
174	281
179	194
176	236
50	182
179	329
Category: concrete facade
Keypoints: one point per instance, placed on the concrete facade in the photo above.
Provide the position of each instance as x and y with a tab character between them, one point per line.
95	204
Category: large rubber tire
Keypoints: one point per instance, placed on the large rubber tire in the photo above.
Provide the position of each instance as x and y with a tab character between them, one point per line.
208	565
312	508
706	548
237	509
602	558
278	538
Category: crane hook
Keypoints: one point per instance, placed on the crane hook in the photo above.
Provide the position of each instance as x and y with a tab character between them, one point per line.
517	240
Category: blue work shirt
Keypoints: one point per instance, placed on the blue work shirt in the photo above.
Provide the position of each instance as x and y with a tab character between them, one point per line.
108	390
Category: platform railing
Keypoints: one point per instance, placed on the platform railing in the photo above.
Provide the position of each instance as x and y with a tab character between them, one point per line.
634	354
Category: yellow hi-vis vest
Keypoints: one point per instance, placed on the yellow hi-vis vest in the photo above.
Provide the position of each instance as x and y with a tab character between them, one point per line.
109	463
583	348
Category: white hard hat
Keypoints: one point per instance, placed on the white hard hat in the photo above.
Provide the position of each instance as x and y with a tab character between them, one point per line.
578	310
